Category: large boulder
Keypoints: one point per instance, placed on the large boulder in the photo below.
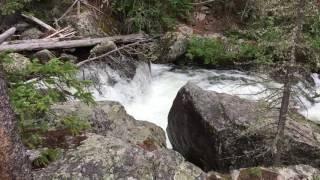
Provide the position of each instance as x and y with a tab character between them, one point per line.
108	157
86	24
17	63
221	132
297	172
116	69
44	56
110	118
32	33
102	48
174	44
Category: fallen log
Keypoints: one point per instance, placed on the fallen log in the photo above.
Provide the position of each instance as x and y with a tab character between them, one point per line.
57	43
110	52
7	34
38	21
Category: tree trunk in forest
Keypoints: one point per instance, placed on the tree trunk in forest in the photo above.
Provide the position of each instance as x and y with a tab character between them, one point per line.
287	90
14	164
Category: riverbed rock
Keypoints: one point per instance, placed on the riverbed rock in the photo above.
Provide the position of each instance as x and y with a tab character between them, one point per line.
110	118
86	24
103	48
68	57
221	132
18	63
174	44
108	157
44	56
32	33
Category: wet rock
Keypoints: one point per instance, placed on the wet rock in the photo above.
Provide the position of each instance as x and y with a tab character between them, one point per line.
107	157
44	56
32	33
86	24
18	63
33	154
221	132
110	118
22	26
68	57
103	48
174	44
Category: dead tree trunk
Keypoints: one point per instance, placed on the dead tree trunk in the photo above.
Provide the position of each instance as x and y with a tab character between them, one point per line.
31	45
14	164
7	34
287	90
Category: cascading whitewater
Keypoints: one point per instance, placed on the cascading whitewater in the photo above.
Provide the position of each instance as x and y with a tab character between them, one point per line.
149	96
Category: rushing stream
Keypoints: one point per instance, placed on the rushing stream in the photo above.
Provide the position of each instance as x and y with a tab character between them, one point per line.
149	96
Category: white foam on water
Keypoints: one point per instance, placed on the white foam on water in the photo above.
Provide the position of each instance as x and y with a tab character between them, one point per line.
149	97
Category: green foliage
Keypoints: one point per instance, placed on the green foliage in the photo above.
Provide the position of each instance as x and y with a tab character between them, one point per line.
217	52
35	89
52	82
11	6
255	171
150	15
31	140
75	125
316	177
47	156
211	51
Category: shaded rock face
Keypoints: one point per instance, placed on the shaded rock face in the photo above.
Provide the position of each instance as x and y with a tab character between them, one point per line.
86	24
32	33
110	118
44	56
297	172
103	48
107	157
19	63
124	66
174	44
222	132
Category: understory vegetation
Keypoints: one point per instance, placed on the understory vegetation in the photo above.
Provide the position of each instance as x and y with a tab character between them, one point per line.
34	90
263	39
151	16
267	33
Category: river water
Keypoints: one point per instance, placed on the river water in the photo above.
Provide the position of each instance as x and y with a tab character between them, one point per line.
149	95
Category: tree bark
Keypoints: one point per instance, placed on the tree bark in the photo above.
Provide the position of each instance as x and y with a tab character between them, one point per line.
58	43
287	90
14	164
7	34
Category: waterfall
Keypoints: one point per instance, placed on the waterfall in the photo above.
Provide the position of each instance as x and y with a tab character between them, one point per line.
149	96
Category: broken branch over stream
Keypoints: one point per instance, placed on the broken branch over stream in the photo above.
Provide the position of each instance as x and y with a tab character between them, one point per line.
58	43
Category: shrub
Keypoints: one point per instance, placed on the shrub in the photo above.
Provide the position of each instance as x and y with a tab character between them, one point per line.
151	16
47	156
209	51
35	89
11	6
217	52
75	125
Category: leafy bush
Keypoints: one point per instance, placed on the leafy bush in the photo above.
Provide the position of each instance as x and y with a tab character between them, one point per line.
216	52
11	6
210	51
150	15
35	89
47	156
75	125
